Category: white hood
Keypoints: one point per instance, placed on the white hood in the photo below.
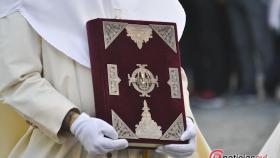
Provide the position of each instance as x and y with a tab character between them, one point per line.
63	22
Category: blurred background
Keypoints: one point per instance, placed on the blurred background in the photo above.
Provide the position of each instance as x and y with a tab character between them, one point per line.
231	53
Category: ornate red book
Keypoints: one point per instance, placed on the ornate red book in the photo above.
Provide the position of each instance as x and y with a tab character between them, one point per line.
137	80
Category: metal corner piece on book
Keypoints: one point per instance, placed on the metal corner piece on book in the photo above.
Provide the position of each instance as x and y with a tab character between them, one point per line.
175	131
167	34
122	129
111	31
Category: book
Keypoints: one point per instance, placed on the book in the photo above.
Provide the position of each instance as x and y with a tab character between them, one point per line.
137	81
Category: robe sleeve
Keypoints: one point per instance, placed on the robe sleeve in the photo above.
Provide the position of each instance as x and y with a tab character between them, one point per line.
202	147
21	84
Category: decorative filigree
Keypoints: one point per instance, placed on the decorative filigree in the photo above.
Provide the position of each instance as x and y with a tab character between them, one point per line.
147	128
139	33
111	30
113	79
122	129
174	83
175	131
143	80
167	34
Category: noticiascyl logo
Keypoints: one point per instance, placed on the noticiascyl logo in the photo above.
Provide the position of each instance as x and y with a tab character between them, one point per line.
218	153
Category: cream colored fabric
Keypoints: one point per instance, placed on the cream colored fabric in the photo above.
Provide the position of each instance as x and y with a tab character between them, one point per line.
22	86
272	146
43	84
12	128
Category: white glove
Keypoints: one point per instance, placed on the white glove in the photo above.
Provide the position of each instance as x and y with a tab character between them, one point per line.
181	150
274	12
96	135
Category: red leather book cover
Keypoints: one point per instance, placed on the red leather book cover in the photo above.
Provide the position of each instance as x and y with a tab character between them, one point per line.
137	80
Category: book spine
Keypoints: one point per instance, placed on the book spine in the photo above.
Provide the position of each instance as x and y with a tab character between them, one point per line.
94	27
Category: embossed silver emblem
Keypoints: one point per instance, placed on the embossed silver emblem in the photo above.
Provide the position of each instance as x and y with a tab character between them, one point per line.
122	129
139	33
147	127
175	131
113	79
167	34
143	80
174	83
111	30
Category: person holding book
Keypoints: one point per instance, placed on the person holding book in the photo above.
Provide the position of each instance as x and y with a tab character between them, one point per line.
45	77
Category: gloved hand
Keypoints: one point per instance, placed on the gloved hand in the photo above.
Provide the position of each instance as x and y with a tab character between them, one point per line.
181	150
274	18
91	133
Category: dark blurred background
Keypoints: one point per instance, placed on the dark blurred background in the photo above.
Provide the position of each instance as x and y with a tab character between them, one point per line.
230	50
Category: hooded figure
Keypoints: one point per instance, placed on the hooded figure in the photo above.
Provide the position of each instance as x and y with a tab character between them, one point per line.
46	79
